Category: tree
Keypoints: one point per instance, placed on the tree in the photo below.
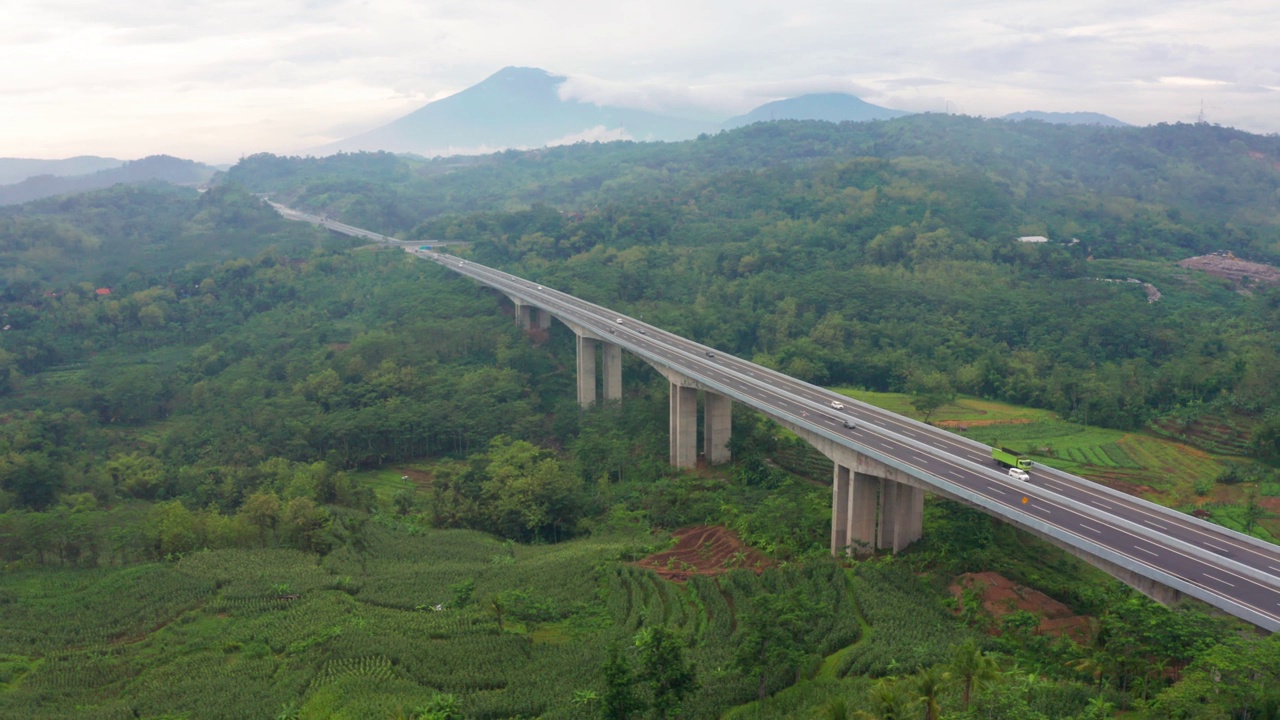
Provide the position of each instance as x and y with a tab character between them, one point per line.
528	494
930	391
304	524
620	700
971	668
664	668
928	686
773	635
139	476
887	701
262	511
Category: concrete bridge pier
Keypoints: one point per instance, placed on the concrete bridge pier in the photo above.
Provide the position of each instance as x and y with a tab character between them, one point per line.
524	314
717	421
854	498
683	426
586	370
873	506
611	366
717	427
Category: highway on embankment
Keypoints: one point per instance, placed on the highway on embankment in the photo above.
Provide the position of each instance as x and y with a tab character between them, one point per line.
1234	572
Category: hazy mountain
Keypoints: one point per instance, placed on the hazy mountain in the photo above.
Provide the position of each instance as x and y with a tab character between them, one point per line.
157	167
832	107
14	170
515	107
1067	118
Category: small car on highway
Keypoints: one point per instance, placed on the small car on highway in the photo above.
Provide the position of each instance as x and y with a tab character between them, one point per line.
848	424
837	404
1019	474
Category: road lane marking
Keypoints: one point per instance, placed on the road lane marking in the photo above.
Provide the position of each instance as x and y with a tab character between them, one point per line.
886	445
1102	505
908	432
938	445
1139	547
1051	485
1091	528
919	459
953	472
996	489
1211	577
1211	546
1154	524
1273	567
1041	508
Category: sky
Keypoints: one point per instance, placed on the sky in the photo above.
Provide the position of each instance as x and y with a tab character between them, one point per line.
214	80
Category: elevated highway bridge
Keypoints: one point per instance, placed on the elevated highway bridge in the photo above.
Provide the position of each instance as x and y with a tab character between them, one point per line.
884	462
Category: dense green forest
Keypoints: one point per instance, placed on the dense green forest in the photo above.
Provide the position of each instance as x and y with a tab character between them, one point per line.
270	474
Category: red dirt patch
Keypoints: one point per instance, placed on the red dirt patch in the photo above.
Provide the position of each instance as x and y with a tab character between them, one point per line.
1226	265
1270	504
704	550
981	423
421	479
1124	486
1001	596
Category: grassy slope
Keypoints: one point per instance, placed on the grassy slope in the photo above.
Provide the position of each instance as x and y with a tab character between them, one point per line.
1152	466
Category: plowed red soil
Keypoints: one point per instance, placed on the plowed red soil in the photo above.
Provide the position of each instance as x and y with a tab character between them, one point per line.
418	477
704	550
1001	596
981	423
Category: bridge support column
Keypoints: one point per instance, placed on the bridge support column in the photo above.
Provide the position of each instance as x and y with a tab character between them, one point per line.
840	507
586	371
611	365
901	515
684	426
524	315
717	426
544	319
853	511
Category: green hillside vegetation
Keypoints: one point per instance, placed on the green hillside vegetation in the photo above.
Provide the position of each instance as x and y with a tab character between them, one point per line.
203	503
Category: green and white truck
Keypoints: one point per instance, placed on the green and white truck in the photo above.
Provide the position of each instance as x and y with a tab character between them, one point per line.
1010	458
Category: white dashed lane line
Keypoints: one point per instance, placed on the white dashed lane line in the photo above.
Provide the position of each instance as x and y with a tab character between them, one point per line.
1139	547
1090	528
1217	579
993	488
1156	525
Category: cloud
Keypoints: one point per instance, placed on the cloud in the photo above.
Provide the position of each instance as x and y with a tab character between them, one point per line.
212	78
599	133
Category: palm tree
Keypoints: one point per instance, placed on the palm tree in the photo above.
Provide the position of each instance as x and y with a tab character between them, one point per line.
929	684
836	710
888	702
971	668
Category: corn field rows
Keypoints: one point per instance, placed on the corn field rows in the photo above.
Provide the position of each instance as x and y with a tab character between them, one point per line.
264	633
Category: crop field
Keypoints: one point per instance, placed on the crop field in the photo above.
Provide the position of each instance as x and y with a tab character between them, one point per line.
1142	463
507	630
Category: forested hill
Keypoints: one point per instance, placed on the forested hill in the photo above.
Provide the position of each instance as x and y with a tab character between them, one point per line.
885	255
1026	173
99	237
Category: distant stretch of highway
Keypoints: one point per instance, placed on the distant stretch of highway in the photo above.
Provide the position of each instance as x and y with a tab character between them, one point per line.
1234	572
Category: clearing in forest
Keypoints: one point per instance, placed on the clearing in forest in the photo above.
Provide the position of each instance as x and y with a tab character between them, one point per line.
704	550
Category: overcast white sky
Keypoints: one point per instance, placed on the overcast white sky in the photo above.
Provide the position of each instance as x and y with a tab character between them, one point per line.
215	79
